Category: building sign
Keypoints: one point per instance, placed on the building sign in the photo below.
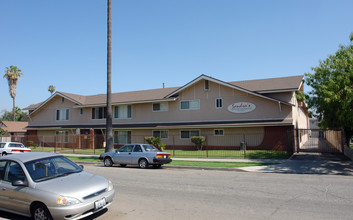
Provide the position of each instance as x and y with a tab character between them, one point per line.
241	107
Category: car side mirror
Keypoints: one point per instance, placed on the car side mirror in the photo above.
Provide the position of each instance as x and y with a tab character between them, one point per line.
19	183
82	166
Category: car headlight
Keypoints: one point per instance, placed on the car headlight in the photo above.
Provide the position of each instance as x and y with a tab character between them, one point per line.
64	200
110	186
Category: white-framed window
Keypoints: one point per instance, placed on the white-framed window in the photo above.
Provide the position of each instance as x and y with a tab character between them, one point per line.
62	114
219	103
122	111
62	136
190	104
159	107
218	132
122	137
163	134
187	134
99	113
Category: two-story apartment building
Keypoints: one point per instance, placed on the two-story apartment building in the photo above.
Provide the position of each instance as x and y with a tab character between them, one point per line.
222	111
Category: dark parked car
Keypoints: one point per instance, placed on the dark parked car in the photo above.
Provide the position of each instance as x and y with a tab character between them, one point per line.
136	154
50	186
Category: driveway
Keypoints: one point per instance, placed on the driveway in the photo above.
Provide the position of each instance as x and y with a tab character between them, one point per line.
309	163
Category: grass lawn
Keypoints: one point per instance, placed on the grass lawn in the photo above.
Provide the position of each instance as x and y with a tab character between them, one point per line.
237	154
85	159
249	154
68	150
186	163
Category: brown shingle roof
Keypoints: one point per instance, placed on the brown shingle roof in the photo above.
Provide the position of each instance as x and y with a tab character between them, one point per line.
122	97
14	126
273	84
259	85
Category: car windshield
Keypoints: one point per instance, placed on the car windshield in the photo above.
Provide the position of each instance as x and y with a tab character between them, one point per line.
52	167
148	147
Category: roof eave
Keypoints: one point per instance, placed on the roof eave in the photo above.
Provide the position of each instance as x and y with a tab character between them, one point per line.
51	97
225	84
128	103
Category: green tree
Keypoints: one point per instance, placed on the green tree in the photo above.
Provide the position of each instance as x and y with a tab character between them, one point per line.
51	89
331	97
3	132
20	115
12	74
109	121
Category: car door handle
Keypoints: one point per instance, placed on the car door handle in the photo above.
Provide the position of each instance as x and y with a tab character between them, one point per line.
129	153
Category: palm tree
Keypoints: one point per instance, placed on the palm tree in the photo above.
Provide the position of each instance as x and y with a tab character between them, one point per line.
109	122
12	74
51	89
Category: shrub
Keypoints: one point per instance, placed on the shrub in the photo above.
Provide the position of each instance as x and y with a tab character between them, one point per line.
199	141
156	142
32	144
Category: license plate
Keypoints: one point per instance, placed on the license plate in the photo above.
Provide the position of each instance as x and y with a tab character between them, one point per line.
100	203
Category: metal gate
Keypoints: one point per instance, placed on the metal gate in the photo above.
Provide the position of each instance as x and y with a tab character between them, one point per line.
319	141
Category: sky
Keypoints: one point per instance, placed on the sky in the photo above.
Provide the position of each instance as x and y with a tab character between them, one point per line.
64	43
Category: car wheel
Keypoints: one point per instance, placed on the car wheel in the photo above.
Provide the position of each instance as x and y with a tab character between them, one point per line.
4	153
123	165
143	163
108	162
40	212
157	165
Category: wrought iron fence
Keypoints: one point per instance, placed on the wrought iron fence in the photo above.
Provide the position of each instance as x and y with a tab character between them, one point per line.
275	144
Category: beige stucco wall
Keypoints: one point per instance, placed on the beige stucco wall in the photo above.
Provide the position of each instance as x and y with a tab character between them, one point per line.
142	113
253	136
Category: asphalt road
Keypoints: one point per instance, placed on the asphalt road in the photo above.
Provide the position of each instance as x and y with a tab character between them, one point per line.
169	193
207	194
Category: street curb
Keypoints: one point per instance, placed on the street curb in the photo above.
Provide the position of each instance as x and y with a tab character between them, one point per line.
205	168
174	167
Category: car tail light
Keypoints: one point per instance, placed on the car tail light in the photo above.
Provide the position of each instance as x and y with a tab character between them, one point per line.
18	150
162	155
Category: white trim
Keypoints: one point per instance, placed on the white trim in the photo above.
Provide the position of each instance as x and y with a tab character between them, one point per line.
277	91
51	97
214	132
55	126
216	103
126	103
224	84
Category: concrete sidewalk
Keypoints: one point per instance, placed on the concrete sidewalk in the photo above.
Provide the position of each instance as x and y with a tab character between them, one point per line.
309	163
301	163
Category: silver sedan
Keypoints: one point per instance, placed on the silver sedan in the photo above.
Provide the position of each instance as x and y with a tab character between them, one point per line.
136	154
50	186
